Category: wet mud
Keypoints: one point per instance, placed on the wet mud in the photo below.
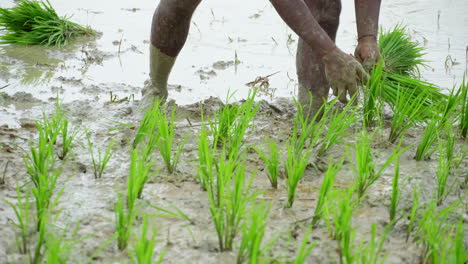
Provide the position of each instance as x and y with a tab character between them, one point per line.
100	82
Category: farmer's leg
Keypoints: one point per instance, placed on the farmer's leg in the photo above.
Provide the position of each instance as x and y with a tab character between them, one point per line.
310	69
169	30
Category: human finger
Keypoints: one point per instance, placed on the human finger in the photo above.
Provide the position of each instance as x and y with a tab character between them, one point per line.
362	74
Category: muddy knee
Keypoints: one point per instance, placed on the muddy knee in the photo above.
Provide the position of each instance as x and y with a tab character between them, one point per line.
169	30
171	23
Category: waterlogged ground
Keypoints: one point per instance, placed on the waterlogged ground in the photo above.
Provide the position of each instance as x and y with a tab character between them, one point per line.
85	73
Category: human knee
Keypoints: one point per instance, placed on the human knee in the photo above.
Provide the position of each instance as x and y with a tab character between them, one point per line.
179	7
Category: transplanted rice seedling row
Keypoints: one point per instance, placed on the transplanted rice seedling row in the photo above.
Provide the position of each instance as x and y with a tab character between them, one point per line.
44	171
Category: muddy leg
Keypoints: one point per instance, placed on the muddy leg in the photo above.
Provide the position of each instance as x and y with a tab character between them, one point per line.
310	69
169	30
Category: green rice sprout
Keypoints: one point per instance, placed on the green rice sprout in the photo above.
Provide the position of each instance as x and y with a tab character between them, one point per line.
224	120
395	191
231	122
60	244
413	212
326	188
100	162
206	160
271	161
464	108
439	238
372	105
229	195
401	54
344	233
429	137
339	122
371	251
306	133
176	213
37	23
22	212
305	248
365	169
143	250
41	169
405	114
68	136
139	175
295	165
443	173
397	77
147	134
166	138
124	218
460	254
253	231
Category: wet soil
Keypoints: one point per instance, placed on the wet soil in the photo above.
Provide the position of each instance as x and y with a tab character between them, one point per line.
91	71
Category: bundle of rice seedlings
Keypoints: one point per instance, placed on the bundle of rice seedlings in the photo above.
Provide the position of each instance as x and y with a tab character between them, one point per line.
402	59
37	23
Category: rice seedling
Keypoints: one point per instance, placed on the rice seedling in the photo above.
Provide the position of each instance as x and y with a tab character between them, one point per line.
396	77
22	212
124	218
372	106
460	253
326	188
299	146
100	161
229	195
295	165
339	122
449	106
405	114
464	108
206	160
271	161
253	231
138	176
439	238
344	233
68	136
147	133
223	121
426	145
143	251
395	191
410	89
40	167
166	138
365	169
305	248
37	23
413	212
230	123
371	251
401	55
442	174
177	213
59	246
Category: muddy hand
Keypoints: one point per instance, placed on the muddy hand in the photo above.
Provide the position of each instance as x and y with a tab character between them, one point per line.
342	72
367	52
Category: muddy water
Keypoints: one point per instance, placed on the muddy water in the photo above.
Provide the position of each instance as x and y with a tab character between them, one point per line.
86	72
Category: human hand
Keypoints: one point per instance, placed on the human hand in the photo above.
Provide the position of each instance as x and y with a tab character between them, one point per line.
342	72
367	52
